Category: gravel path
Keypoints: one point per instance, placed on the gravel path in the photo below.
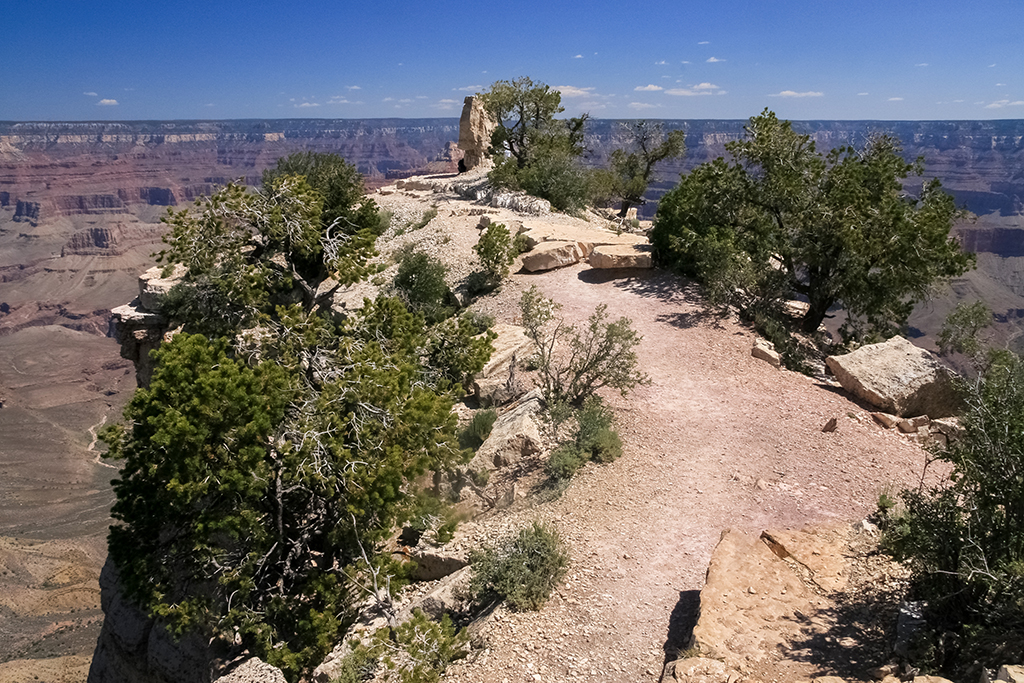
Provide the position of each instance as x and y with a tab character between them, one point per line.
718	440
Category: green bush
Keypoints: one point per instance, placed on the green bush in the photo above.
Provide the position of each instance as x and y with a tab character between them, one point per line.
420	280
594	439
433	518
522	570
417	651
456	349
478	429
565	461
964	538
495	251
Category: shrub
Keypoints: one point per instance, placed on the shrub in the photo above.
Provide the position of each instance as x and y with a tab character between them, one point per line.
522	570
565	461
428	215
455	349
965	537
478	429
420	280
416	651
495	251
433	518
601	354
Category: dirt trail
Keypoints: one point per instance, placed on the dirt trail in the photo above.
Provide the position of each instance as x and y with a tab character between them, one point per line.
718	440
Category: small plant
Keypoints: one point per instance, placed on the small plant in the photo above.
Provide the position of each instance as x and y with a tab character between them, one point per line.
601	354
565	461
416	651
433	518
480	322
495	251
478	429
522	570
480	477
420	281
428	215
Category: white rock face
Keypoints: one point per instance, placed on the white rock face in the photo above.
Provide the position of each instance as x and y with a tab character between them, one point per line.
254	671
153	287
475	128
898	378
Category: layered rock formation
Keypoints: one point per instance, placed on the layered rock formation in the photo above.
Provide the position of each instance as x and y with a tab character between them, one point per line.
475	128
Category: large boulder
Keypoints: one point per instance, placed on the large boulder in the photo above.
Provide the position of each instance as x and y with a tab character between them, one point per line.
897	377
514	436
621	256
496	384
551	255
475	128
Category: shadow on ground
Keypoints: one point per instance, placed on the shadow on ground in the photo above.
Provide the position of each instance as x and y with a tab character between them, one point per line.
680	625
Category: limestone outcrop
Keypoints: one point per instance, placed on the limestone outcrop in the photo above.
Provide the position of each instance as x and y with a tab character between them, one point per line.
551	255
496	384
621	256
133	648
475	128
514	436
897	377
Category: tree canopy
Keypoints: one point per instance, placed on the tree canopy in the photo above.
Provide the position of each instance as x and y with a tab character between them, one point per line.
631	169
782	220
532	150
276	444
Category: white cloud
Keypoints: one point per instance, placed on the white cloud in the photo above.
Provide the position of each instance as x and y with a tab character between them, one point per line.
704	42
354	87
641	105
895	99
444	104
685	92
991	65
648	88
793	93
573	91
684	62
107	103
705	86
405	100
661	63
90	94
999	104
862	94
388	99
470	88
713	60
957	101
423	97
922	64
303	105
338	100
1000	85
579	56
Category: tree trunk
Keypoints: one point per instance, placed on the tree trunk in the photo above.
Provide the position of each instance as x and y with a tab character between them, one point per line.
814	316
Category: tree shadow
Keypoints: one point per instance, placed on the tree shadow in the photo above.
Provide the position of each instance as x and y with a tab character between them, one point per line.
663	286
680	626
851	637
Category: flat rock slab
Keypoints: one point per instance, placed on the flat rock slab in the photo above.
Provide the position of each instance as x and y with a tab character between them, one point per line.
621	256
898	378
538	232
551	255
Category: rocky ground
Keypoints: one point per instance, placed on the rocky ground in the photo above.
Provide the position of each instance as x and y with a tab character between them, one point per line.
718	440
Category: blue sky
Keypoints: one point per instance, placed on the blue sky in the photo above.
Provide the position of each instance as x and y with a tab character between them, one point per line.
821	59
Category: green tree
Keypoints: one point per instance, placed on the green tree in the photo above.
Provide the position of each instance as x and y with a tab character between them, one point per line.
496	251
631	170
783	221
248	252
272	454
345	204
532	150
